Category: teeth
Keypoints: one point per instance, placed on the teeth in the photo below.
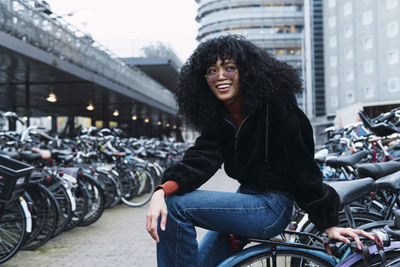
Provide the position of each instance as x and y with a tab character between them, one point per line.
223	86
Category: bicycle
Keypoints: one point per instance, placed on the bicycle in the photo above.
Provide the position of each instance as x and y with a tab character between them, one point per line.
15	218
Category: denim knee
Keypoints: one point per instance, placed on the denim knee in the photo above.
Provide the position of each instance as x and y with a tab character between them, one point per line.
173	205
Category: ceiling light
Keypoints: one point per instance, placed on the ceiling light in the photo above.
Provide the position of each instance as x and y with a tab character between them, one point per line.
90	107
52	97
116	113
134	117
146	120
167	125
159	123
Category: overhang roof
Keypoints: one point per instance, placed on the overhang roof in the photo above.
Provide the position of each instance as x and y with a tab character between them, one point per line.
162	70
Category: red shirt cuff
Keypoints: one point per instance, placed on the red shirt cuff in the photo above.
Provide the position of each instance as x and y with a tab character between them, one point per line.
169	187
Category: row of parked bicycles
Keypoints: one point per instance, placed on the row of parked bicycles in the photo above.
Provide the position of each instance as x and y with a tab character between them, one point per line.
361	162
49	185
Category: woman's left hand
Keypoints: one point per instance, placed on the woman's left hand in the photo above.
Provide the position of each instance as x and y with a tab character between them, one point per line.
340	233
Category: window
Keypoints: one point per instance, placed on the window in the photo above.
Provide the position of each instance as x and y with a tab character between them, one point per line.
392	28
369	91
348	53
334	81
368	67
334	101
332	22
391	4
333	41
393	84
349	75
367	17
347	9
332	3
393	56
350	97
333	61
348	31
368	42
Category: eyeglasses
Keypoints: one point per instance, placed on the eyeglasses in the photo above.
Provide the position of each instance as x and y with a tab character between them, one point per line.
229	73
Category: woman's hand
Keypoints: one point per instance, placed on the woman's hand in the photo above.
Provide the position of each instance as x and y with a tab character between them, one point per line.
340	233
156	208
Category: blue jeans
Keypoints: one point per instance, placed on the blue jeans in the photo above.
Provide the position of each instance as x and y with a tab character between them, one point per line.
247	213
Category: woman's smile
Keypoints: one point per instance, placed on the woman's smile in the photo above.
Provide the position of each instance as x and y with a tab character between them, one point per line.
224	87
223	80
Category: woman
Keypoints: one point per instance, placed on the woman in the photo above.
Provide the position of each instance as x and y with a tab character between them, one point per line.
243	102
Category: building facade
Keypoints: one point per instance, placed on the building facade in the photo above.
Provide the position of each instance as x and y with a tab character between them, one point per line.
362	42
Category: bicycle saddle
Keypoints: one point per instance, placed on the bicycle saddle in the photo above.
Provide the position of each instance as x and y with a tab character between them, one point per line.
13	155
350	191
378	170
391	181
351	160
29	156
331	160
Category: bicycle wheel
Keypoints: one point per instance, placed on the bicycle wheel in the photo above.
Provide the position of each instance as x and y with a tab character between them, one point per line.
95	201
283	258
44	210
65	212
118	189
12	228
81	195
359	219
109	188
143	189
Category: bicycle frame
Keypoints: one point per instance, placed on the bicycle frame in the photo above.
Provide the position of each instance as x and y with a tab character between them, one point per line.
355	257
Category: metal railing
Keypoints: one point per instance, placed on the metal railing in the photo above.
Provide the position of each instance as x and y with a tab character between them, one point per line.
58	37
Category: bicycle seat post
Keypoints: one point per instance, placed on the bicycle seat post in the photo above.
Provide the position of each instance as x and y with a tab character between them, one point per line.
349	216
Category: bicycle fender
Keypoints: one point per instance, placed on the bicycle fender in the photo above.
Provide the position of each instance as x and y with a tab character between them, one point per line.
28	215
265	248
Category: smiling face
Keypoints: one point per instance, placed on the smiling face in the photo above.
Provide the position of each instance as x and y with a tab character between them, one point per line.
223	80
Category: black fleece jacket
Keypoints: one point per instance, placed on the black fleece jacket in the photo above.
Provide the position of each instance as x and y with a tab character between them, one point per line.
291	166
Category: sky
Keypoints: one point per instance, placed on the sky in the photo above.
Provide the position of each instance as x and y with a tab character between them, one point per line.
134	22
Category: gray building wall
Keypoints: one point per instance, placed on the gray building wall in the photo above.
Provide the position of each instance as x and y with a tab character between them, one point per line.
362	41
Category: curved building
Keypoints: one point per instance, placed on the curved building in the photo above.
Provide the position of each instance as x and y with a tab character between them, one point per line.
275	25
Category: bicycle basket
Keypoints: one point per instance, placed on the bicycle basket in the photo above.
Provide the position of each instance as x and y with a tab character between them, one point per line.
13	177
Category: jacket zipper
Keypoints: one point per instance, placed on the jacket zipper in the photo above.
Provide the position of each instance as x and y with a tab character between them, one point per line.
237	130
236	140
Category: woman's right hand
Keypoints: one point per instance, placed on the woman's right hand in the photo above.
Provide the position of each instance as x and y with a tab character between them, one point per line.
156	208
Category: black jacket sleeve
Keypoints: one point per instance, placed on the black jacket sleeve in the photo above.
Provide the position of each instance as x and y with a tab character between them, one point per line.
198	164
319	200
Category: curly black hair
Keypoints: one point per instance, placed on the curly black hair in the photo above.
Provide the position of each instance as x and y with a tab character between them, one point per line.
261	76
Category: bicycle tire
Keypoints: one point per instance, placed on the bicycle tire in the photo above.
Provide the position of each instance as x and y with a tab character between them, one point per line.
95	201
12	229
359	219
118	189
143	189
292	258
44	213
109	188
81	195
65	212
